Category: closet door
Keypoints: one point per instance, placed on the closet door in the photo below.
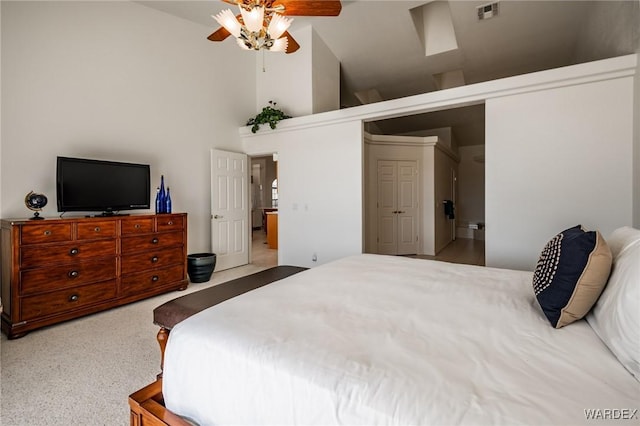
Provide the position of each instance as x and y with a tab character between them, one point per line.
397	185
387	207
407	212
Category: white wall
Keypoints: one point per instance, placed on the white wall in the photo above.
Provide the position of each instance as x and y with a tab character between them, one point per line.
320	185
326	77
118	81
1	97
636	148
556	158
636	137
286	78
558	153
445	166
606	31
301	83
471	191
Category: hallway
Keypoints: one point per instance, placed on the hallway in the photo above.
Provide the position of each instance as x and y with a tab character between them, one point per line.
261	254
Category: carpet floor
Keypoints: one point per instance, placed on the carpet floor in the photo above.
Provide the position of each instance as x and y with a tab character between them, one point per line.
81	372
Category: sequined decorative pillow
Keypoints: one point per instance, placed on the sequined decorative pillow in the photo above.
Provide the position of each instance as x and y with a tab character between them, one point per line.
571	273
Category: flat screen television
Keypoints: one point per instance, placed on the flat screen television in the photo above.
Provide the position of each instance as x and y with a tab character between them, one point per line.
101	186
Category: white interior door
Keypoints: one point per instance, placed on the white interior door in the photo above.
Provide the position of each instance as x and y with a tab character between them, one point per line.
407	211
229	210
454	194
387	207
397	188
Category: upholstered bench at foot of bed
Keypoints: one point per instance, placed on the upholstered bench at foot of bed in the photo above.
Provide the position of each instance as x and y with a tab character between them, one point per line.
181	308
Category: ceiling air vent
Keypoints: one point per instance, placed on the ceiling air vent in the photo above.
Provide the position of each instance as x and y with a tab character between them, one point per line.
487	11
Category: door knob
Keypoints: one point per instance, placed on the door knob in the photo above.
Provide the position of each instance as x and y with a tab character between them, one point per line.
218	217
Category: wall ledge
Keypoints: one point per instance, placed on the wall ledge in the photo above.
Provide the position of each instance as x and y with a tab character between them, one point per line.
606	69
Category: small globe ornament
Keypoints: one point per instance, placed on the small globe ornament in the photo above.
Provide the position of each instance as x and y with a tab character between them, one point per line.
35	202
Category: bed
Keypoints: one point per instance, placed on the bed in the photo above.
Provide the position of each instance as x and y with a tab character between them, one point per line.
373	339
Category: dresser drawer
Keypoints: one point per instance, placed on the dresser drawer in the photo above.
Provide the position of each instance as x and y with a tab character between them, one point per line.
151	242
137	225
169	223
46	233
71	275
147	281
93	230
158	258
36	307
31	256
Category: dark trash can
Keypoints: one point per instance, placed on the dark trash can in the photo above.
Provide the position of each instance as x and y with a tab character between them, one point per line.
200	266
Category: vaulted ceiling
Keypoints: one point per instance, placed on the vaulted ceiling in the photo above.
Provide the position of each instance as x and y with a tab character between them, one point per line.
392	49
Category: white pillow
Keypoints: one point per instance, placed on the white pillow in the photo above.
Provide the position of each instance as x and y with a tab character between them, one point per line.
616	315
622	237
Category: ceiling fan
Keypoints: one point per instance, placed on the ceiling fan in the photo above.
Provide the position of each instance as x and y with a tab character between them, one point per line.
262	24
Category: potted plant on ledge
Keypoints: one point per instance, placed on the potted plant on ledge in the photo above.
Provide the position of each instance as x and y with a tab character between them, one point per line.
269	115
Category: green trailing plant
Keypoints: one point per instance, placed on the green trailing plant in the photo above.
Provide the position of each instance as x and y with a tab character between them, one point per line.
269	115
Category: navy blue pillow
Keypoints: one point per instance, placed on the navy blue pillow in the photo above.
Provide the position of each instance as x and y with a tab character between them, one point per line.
571	273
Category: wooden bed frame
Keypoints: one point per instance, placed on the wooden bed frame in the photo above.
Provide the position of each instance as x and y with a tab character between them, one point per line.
147	404
147	408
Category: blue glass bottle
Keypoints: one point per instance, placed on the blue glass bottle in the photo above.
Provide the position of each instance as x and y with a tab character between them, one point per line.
163	196
158	205
167	201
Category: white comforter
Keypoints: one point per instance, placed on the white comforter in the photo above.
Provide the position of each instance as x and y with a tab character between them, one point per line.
385	340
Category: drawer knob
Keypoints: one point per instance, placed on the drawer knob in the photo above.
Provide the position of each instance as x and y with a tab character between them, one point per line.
47	232
74	298
155	278
155	241
137	226
97	229
154	259
73	274
170	222
74	251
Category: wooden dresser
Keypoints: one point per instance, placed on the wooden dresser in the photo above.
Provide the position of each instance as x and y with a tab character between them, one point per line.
54	270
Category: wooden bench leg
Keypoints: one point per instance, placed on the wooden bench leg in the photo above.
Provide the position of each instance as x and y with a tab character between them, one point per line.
162	337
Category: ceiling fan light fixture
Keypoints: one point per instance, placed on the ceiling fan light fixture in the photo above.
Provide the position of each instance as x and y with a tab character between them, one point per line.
280	45
262	24
242	44
227	19
254	18
278	25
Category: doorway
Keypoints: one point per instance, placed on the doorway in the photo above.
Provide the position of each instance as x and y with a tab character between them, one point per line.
264	208
453	229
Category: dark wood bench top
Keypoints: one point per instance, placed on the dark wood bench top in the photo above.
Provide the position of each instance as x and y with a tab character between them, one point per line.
169	314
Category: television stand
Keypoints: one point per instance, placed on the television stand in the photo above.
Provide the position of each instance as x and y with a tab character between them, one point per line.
107	214
55	270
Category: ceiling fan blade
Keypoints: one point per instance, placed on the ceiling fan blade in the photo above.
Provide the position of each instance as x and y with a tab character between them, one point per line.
219	35
309	7
292	45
